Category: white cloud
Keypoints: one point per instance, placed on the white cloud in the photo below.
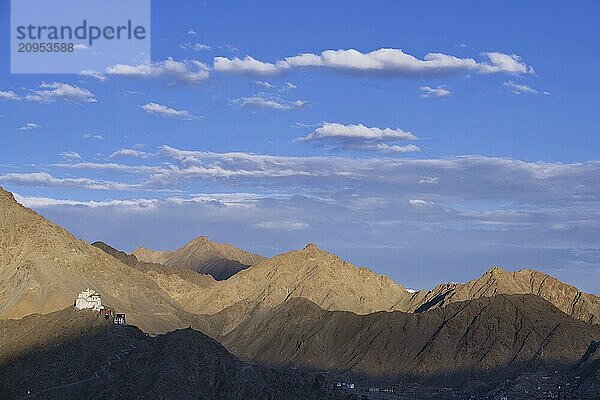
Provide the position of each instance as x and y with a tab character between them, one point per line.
358	131
188	71
247	65
419	202
29	126
90	73
429	180
440	91
195	46
265	85
43	202
518	88
384	61
283	225
508	63
260	101
9	95
70	155
164	111
121	153
44	179
385	148
50	92
110	167
286	87
361	137
94	136
191	32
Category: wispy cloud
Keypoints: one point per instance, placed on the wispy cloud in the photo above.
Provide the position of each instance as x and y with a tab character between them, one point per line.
283	225
8	95
188	71
51	92
519	88
122	153
90	73
70	156
382	61
164	111
95	136
287	86
195	46
44	179
440	91
275	103
29	126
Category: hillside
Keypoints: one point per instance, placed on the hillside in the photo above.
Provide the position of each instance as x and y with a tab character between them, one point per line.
43	268
172	280
221	260
496	281
490	339
73	354
311	273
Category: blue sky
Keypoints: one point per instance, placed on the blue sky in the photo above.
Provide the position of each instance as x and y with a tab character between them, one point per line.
427	141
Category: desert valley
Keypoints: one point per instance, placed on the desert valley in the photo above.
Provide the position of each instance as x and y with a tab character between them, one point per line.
210	321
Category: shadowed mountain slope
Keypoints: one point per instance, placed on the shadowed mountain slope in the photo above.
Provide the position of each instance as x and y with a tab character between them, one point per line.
487	338
78	354
220	260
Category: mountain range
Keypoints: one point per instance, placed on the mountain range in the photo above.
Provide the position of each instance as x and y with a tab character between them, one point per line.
291	318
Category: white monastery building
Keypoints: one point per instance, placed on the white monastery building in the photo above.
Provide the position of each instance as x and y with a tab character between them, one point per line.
89	299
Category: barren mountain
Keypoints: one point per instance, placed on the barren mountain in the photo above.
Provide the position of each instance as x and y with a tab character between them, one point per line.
43	268
72	354
488	339
310	273
174	281
496	281
221	260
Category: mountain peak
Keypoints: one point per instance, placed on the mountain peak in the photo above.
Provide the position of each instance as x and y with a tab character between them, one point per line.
311	247
199	240
495	270
221	260
5	195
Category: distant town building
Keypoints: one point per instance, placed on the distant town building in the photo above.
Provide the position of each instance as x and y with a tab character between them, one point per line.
119	319
89	299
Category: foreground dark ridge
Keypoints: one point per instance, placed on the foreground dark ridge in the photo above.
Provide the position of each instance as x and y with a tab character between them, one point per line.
488	340
72	354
